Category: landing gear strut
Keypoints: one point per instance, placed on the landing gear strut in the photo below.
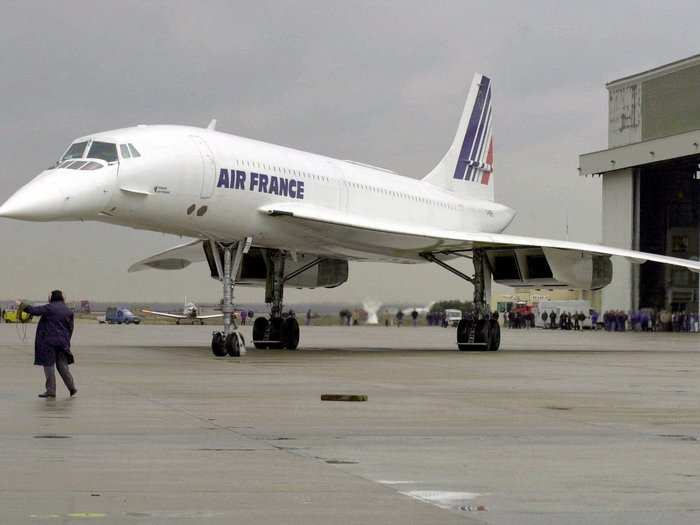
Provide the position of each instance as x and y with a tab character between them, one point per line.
479	330
229	341
278	331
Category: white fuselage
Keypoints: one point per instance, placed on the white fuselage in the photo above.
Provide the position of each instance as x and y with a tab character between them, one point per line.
202	183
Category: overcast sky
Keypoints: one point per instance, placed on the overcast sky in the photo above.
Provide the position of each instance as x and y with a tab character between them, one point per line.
377	82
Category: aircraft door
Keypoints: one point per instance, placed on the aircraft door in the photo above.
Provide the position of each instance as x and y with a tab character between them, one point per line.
341	185
208	167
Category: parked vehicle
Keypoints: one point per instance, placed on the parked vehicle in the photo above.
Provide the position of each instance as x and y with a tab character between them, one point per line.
453	316
10	316
120	316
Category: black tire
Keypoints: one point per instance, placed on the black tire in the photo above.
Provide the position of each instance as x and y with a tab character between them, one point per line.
276	333
290	333
259	328
481	335
218	346
494	336
233	345
462	331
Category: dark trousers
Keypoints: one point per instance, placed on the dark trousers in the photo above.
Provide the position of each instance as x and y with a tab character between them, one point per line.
62	367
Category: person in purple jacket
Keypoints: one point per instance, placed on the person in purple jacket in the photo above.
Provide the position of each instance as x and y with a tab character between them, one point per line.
52	343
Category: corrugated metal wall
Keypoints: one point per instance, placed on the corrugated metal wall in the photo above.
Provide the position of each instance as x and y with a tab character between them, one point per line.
671	104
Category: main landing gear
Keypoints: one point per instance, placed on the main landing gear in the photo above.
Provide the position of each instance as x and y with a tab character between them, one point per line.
229	341
479	330
278	331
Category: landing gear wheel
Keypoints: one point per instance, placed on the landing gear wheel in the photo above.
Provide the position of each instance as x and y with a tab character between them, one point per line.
473	335
218	347
276	333
290	333
494	336
259	329
233	345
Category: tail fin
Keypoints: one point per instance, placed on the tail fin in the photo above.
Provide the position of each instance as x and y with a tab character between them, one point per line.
467	167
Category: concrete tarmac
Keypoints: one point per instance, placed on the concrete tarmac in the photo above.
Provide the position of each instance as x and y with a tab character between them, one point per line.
556	428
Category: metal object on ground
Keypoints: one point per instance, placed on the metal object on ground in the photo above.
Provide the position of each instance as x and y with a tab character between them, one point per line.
344	397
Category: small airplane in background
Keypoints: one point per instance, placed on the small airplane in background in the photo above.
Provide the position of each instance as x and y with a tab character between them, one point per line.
190	312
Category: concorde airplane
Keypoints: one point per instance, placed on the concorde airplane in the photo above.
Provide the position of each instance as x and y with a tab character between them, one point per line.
275	216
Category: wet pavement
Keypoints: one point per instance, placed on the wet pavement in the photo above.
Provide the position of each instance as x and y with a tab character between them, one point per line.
555	428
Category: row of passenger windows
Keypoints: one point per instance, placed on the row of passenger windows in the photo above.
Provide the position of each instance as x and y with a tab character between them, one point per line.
401	195
367	187
106	151
271	168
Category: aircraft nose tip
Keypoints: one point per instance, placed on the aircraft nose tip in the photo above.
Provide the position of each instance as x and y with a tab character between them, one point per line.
10	209
24	205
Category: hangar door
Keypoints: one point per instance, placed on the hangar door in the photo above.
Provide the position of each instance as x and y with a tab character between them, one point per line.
669	224
208	167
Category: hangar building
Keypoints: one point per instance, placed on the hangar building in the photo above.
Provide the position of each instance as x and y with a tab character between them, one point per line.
651	184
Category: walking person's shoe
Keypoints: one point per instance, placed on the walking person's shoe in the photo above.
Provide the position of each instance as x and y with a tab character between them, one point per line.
73	392
47	395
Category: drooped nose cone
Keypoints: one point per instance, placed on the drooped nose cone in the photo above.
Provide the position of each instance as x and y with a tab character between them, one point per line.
59	195
34	202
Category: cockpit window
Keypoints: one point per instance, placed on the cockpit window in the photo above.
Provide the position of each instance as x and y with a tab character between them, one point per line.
134	151
75	151
124	151
76	165
103	150
92	166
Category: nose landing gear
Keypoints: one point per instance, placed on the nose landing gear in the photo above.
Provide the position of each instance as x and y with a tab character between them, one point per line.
229	341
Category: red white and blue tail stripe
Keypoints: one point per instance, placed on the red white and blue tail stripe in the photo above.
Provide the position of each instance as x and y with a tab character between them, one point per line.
467	168
475	160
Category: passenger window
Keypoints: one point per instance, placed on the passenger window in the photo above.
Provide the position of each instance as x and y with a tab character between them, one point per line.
134	151
75	151
103	150
125	151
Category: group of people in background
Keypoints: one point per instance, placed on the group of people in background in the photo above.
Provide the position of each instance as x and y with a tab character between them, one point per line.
649	320
399	317
515	319
568	320
436	319
646	320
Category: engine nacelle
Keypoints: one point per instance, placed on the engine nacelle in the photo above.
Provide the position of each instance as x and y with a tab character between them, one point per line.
550	267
